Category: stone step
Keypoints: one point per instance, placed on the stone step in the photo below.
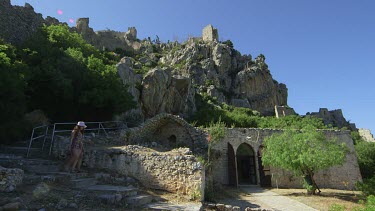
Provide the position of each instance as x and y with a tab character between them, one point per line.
110	198
83	182
173	207
123	190
139	200
66	175
22	151
10	156
30	165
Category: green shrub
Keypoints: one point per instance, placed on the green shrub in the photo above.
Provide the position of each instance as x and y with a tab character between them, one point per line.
369	205
366	157
367	186
337	207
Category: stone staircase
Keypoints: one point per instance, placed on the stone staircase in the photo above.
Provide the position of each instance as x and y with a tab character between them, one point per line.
45	187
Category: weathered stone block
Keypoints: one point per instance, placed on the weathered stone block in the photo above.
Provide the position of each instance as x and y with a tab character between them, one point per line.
10	178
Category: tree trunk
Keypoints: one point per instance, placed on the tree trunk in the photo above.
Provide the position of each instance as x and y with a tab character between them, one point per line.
310	184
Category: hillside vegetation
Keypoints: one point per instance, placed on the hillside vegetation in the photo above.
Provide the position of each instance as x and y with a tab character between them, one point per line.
57	72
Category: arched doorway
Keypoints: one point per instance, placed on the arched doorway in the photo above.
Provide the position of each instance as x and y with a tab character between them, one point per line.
264	171
232	176
246	170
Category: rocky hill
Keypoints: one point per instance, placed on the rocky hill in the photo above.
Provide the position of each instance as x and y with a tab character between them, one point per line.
166	77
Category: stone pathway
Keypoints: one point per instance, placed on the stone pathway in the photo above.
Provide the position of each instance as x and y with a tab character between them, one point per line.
274	200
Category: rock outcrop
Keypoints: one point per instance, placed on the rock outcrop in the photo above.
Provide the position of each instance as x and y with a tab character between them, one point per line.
199	65
18	23
366	135
223	73
163	92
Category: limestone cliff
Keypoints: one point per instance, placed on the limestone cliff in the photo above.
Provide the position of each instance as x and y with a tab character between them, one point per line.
209	66
164	77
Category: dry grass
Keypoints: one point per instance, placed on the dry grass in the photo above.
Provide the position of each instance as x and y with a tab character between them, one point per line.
327	198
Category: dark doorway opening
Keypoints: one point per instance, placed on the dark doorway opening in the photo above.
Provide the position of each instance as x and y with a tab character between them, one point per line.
232	176
172	141
264	171
246	165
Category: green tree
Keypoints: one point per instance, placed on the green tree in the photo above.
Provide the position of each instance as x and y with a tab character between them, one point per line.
304	152
12	98
366	158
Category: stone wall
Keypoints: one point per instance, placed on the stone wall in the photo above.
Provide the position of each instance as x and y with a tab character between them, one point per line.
105	39
168	130
366	135
333	117
177	171
209	33
281	111
20	23
340	177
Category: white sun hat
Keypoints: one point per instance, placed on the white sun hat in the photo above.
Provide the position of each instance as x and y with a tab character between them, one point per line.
82	124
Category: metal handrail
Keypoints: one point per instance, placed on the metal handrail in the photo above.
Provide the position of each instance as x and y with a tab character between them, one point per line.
55	131
34	138
100	127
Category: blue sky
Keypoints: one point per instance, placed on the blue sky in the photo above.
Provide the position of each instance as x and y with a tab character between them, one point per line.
324	51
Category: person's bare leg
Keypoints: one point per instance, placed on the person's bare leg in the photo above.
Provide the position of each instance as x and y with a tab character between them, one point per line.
68	163
76	153
80	161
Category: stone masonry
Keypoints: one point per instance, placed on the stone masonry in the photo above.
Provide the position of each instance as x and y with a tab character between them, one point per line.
176	171
333	117
281	111
168	130
339	177
209	33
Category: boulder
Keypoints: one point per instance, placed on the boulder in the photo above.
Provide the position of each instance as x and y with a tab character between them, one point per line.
10	178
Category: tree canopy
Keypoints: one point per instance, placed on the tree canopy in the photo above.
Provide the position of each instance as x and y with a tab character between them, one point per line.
304	152
57	72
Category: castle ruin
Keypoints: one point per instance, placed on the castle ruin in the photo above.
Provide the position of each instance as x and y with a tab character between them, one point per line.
210	33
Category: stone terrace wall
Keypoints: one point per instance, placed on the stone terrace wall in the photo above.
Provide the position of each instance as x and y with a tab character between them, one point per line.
176	171
340	177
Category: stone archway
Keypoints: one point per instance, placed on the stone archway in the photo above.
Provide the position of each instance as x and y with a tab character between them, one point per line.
246	168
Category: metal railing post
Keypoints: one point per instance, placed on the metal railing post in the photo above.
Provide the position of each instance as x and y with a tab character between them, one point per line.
98	128
53	136
31	140
45	136
100	124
